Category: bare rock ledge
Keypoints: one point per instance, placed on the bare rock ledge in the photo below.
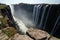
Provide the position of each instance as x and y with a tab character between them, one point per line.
38	34
21	37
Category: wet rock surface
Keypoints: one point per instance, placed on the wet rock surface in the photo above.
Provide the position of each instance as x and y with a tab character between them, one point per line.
37	34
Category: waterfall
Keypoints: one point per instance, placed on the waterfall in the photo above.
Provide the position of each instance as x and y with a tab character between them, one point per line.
44	17
41	22
55	28
37	14
34	13
47	17
22	27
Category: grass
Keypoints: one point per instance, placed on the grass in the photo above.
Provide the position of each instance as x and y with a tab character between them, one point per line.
2	6
9	31
3	21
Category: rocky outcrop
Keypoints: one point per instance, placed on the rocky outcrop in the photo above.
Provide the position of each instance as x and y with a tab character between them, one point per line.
3	36
34	34
6	11
21	37
7	33
37	34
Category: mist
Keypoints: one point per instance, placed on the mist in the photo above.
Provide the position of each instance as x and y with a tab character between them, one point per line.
22	17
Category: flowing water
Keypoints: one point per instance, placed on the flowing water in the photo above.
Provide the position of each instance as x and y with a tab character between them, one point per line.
21	25
39	17
47	18
41	23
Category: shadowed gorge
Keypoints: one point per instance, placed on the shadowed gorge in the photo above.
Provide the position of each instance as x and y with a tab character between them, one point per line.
42	16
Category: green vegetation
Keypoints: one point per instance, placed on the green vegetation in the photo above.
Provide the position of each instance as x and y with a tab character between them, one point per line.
9	31
0	14
2	6
3	20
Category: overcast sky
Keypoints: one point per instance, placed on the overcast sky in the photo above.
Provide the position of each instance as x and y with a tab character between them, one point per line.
30	1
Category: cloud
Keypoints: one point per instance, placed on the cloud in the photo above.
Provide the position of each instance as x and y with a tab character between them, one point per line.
30	1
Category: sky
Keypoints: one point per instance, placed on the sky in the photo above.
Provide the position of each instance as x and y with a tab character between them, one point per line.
30	1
